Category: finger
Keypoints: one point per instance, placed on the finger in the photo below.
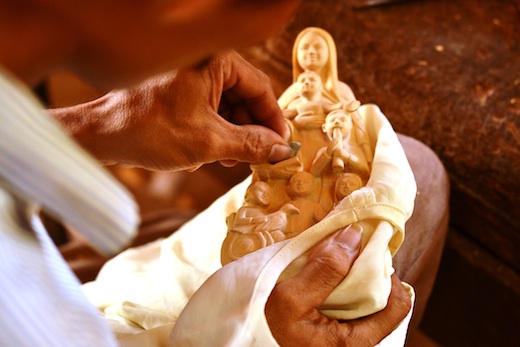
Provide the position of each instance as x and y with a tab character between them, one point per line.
376	327
248	87
193	168
251	144
327	266
228	163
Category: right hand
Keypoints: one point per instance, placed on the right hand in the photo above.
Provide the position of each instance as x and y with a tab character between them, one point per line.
225	111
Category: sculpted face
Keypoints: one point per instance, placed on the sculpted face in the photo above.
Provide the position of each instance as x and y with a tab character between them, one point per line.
313	52
259	194
337	120
301	183
309	84
346	184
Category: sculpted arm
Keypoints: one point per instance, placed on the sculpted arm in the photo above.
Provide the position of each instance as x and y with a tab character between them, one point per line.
249	215
290	113
308	122
324	158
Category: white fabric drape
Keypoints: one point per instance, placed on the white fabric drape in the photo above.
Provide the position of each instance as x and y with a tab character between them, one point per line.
179	283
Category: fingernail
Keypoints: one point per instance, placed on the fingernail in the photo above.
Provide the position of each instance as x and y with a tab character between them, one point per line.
279	152
350	238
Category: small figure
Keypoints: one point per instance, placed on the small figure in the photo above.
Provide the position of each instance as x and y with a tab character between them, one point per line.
338	126
252	227
301	189
310	109
306	116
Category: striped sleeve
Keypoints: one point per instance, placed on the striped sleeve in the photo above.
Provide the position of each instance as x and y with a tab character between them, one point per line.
43	164
41	299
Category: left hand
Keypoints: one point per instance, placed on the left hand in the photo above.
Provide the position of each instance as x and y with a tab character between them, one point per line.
224	111
292	308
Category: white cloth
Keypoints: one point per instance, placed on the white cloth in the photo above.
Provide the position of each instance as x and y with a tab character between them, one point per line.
40	166
180	283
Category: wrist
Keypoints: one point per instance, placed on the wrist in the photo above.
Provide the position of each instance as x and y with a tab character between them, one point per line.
93	125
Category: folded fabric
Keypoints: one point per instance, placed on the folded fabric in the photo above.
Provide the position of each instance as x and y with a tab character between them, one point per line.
181	277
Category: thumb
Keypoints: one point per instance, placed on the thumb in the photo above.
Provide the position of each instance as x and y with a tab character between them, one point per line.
255	144
328	265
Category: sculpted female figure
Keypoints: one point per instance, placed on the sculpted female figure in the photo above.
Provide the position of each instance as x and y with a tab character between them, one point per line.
314	50
254	226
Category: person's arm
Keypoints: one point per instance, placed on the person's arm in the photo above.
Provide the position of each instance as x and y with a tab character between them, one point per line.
225	111
292	309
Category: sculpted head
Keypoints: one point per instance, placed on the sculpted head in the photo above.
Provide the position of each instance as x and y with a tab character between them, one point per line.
346	184
314	49
309	85
301	184
337	119
258	194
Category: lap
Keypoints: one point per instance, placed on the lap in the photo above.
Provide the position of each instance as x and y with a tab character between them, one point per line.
418	259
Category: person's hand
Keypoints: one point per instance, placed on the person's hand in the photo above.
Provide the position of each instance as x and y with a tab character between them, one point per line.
223	111
292	309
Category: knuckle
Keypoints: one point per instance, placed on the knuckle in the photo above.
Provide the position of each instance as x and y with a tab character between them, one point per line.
355	335
211	147
263	76
254	147
284	294
345	338
404	304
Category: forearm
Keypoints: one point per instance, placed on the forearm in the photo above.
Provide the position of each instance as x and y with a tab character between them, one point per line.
103	126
